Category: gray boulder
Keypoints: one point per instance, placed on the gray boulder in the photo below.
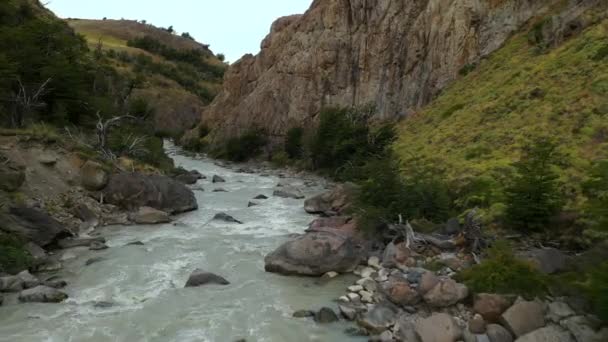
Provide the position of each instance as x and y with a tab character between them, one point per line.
28	279
42	294
260	197
314	254
200	278
547	260
439	327
32	225
187	178
332	202
446	293
11	284
523	317
147	215
551	333
379	319
226	218
218	179
133	190
326	315
93	176
497	333
398	291
288	192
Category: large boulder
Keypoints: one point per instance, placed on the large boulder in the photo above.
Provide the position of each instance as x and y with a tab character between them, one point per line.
93	176
523	317
395	254
546	260
325	315
147	215
439	327
314	254
497	333
490	306
379	319
12	175
200	278
42	294
32	225
133	190
332	202
288	192
11	284
446	293
28	279
398	291
549	333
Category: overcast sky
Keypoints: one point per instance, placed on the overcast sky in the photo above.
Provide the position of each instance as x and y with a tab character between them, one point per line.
231	27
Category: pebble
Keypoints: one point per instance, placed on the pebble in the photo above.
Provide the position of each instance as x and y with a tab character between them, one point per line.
374	262
344	299
355	288
367	272
353	296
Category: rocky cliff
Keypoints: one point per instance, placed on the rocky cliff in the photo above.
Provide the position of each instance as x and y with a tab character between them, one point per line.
395	54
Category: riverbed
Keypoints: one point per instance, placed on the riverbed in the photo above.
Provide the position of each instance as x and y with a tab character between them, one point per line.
136	292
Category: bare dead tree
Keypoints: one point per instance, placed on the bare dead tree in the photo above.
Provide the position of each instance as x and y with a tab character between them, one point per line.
103	129
26	101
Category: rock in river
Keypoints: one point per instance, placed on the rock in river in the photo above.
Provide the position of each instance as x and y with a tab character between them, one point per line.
226	218
133	190
200	278
42	294
288	192
314	254
32	225
147	215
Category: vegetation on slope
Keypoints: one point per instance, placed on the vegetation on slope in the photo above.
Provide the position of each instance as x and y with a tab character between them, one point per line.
480	125
178	75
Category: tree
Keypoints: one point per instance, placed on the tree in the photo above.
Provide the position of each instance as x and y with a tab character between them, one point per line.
293	142
535	197
170	29
596	190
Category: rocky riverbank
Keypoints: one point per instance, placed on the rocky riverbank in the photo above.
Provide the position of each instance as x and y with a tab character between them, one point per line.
53	200
398	297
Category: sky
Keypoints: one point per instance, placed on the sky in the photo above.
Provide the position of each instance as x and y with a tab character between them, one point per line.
231	27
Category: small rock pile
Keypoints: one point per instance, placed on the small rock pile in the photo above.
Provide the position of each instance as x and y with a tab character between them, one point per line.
414	304
32	289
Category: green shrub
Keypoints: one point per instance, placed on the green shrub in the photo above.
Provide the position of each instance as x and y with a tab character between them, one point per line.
384	194
501	272
596	190
598	290
245	147
344	141
293	142
535	197
13	257
601	54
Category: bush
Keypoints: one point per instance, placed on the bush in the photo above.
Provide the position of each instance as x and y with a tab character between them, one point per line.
534	197
501	272
598	290
293	142
385	194
13	257
245	147
596	190
344	141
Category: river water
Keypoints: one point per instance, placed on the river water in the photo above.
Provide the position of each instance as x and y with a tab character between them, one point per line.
144	284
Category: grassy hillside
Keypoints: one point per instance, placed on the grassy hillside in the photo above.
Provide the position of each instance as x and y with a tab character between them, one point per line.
476	128
177	75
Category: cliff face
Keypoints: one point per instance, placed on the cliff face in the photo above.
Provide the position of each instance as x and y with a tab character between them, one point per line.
395	54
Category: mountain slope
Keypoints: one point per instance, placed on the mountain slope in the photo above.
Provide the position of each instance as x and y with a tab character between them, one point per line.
477	126
176	75
396	55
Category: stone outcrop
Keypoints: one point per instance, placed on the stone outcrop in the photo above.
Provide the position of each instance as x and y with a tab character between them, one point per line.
396	55
133	190
200	278
314	254
32	225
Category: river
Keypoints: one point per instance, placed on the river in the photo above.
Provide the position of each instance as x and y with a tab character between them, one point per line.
144	284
